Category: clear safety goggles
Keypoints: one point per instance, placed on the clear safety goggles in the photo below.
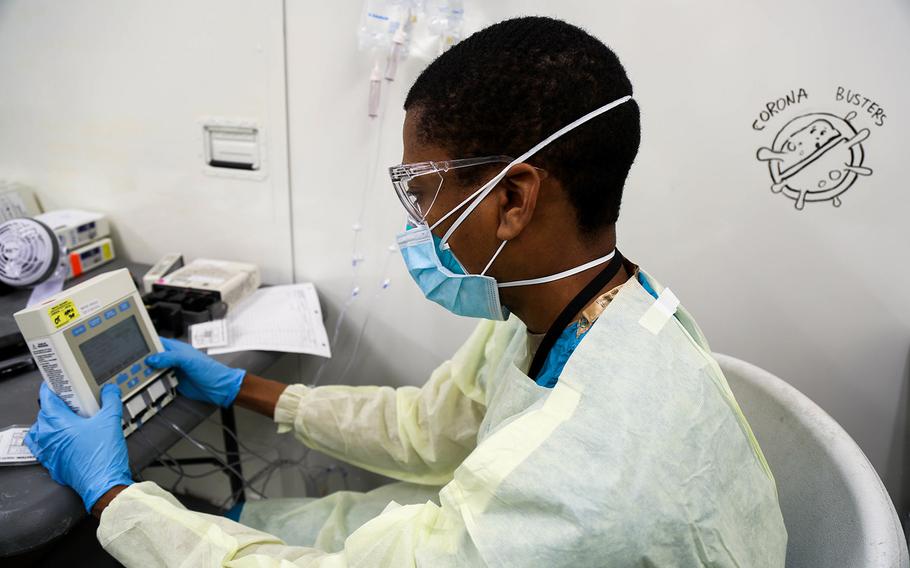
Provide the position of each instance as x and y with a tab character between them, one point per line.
417	185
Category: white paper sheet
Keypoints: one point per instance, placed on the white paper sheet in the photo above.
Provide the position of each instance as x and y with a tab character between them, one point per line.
278	318
52	285
209	334
12	450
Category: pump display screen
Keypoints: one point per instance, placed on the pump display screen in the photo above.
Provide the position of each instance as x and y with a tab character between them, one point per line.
110	351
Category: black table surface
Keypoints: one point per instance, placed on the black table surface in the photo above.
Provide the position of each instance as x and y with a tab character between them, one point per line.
34	509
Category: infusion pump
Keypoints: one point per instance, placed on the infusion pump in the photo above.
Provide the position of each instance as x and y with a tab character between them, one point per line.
98	333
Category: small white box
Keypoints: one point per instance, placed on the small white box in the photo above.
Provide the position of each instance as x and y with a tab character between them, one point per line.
233	281
75	227
89	257
165	265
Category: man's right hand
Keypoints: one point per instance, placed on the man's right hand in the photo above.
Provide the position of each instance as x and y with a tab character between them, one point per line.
201	377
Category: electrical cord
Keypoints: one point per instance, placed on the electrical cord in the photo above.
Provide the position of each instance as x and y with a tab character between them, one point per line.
186	406
174	467
266	474
267	471
208	448
270	467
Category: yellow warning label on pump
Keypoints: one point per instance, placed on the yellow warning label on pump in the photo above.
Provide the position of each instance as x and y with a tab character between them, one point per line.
63	313
106	252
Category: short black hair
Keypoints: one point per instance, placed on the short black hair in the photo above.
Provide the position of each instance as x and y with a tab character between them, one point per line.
507	87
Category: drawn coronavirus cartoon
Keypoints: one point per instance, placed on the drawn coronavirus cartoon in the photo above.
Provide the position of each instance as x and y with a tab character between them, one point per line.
816	157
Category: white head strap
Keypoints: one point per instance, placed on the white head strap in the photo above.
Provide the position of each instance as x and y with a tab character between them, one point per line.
486	188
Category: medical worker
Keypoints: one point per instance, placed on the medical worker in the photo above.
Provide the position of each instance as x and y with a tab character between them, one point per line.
583	423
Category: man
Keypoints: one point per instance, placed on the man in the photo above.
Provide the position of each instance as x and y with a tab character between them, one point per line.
590	427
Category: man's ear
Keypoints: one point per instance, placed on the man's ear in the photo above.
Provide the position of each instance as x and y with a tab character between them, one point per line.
516	197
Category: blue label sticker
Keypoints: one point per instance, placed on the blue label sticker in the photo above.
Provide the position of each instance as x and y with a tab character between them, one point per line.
95	321
110	313
124	305
78	330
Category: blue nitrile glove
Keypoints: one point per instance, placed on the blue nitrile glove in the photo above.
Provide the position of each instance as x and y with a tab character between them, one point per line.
87	454
201	377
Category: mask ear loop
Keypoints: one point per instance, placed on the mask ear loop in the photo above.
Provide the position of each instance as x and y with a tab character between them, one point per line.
559	275
495	254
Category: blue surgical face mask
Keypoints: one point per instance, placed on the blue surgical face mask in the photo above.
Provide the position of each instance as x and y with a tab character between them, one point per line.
446	256
443	279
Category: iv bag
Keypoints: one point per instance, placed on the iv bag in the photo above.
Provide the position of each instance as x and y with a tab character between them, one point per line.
380	20
444	20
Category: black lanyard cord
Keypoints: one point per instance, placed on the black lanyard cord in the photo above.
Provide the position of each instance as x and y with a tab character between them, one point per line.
562	321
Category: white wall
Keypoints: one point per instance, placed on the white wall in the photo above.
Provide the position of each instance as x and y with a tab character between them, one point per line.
339	160
99	102
813	295
99	108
